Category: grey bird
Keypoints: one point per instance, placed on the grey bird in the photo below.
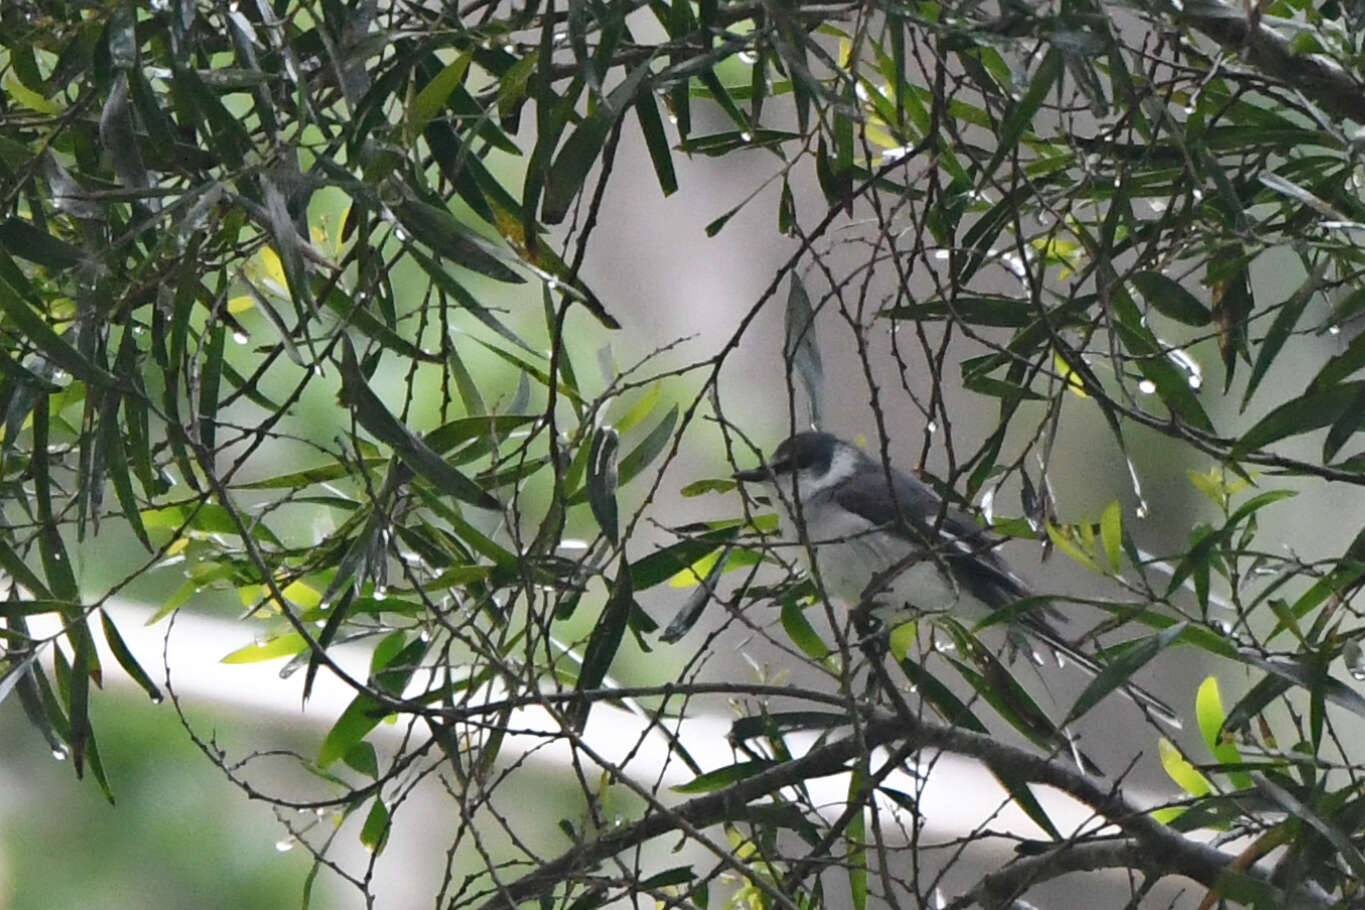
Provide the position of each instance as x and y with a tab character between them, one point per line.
881	536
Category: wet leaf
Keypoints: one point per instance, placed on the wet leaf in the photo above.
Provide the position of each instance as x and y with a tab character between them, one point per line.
285	645
1285	322
651	124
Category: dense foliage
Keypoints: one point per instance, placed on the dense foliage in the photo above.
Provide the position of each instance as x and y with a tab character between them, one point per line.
218	220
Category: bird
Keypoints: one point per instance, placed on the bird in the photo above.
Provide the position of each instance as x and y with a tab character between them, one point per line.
883	537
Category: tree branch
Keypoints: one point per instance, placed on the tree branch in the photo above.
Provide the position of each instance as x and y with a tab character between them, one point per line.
1161	848
1328	84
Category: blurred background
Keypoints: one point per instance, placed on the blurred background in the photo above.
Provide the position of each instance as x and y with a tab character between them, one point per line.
184	836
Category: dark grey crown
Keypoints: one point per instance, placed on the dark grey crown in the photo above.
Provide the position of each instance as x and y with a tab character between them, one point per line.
809	450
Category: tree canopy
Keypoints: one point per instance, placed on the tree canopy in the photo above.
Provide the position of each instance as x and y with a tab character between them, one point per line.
293	301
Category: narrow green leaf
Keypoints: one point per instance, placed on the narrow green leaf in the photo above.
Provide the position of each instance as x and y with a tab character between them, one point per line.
583	148
692	608
604	641
126	660
27	679
1341	840
294	480
1120	670
116	466
649	448
1278	333
444	235
801	632
222	133
801	349
435	93
336	615
364	712
651	124
364	759
1208	711
786	211
1344	427
942	699
779	722
17	569
1111	534
61	579
640	409
602	477
1020	118
26	241
721	778
484	431
1179	769
78	707
285	645
448	285
1308	412
210	375
374	834
1299	674
35	329
464	382
370	412
663	564
1062	538
14	674
1169	298
1172	384
354	312
855	844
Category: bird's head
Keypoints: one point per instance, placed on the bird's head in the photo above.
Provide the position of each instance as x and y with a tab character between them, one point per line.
809	462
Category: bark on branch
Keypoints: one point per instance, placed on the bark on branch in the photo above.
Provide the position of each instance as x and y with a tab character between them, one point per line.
1164	850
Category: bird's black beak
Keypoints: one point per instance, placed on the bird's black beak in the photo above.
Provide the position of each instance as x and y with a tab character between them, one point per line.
753	475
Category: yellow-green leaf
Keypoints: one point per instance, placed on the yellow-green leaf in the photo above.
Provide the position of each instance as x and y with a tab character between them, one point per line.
1063	540
1185	775
1111	533
1209	712
286	645
434	94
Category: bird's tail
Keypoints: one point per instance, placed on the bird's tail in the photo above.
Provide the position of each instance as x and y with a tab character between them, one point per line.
1040	630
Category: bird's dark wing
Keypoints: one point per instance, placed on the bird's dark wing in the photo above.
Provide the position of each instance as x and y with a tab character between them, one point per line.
911	509
967	550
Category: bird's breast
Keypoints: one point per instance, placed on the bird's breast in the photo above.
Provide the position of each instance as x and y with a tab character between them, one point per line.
849	553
